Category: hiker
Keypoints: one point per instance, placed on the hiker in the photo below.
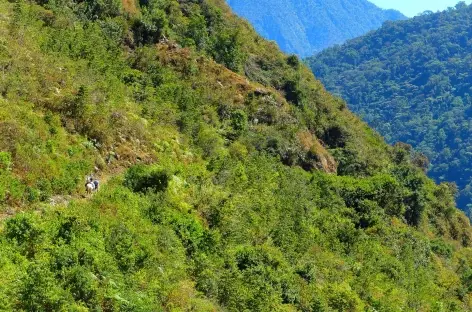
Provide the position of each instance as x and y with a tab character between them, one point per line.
89	185
96	184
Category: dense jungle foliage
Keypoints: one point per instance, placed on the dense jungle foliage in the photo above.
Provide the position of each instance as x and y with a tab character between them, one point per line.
411	81
305	27
231	180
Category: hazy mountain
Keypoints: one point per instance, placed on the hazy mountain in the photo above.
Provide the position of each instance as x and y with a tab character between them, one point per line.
304	27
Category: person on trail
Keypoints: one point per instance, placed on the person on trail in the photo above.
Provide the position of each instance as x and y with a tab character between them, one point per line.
96	184
89	185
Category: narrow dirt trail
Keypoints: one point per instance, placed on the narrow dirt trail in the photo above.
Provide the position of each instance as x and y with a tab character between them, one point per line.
62	200
65	199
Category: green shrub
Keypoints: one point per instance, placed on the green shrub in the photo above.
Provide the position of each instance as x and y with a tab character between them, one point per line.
141	178
342	298
293	61
68	229
402	152
197	31
39	291
5	161
210	142
45	189
191	233
150	27
101	9
239	121
226	48
32	194
23	230
122	244
293	92
81	285
441	248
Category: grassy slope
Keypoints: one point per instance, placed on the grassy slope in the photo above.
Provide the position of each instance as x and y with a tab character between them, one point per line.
231	220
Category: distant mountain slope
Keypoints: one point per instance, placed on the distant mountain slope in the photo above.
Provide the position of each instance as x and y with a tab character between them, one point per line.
305	27
412	81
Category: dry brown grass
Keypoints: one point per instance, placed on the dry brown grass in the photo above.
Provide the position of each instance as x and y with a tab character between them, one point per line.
130	6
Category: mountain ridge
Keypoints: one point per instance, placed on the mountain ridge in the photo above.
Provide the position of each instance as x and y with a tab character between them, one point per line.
304	28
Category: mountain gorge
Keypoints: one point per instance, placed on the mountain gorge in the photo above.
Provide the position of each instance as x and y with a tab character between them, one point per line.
231	180
411	81
306	27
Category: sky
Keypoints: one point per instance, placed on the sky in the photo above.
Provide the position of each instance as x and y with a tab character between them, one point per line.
412	7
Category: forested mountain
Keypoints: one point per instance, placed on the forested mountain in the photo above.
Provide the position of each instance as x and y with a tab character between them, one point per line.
305	27
230	179
412	81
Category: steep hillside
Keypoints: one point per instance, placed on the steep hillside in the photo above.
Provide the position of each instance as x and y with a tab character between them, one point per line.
222	191
412	82
306	27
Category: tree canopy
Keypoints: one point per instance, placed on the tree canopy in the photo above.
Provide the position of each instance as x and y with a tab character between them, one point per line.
411	81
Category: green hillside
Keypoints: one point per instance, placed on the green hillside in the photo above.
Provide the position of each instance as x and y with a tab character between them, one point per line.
411	81
231	180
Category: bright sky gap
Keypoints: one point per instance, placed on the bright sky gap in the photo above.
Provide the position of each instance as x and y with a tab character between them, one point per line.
414	7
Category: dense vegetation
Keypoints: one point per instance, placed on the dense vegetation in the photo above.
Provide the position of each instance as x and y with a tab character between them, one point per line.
235	182
411	81
306	27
